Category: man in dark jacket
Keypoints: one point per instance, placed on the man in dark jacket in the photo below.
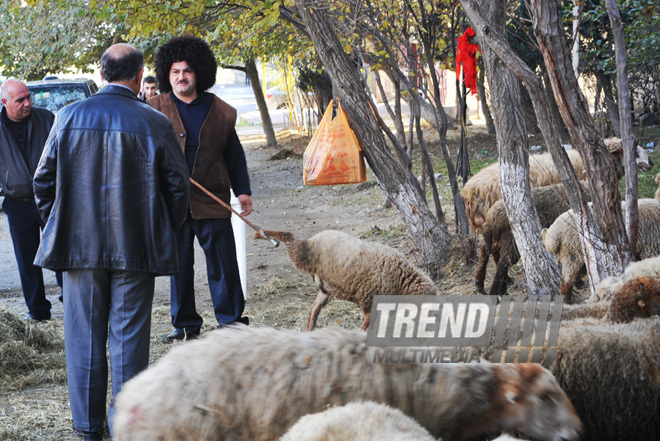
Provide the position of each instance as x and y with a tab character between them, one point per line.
206	129
23	132
112	186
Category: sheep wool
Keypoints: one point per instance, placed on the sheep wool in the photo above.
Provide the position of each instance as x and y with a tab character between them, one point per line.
611	373
348	268
550	202
562	240
359	421
483	189
607	287
244	383
638	297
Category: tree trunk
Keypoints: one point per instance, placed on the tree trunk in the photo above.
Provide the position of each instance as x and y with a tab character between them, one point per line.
253	74
625	113
561	132
541	272
430	234
441	123
481	87
528	113
608	252
610	104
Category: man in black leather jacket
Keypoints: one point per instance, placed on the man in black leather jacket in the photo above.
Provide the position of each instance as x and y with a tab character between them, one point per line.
112	186
23	132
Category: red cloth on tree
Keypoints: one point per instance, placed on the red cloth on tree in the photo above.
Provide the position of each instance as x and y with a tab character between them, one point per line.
467	54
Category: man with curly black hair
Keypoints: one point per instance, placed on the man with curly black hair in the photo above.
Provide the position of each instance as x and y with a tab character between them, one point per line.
206	128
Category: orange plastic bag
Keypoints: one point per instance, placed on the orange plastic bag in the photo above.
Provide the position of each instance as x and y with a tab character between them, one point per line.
333	156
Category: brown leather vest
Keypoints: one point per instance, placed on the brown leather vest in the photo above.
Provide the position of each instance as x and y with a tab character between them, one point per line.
210	169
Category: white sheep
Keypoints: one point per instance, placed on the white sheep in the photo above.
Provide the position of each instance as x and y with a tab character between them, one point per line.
358	421
245	383
362	421
562	240
351	269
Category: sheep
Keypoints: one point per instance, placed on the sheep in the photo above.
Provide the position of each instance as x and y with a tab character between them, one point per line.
642	158
246	383
358	421
362	421
562	240
611	374
483	189
351	269
550	202
647	267
609	371
638	297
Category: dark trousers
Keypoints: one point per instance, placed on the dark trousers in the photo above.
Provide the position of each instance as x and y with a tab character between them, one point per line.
216	238
104	307
25	226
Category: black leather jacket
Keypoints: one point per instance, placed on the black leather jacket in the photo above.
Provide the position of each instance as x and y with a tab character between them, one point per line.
112	186
15	174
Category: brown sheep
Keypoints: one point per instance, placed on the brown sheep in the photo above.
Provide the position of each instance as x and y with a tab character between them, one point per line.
246	383
638	297
351	269
550	202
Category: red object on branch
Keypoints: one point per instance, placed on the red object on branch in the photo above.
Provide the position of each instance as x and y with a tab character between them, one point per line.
467	55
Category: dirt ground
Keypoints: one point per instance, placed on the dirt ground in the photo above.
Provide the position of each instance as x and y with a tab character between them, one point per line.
278	294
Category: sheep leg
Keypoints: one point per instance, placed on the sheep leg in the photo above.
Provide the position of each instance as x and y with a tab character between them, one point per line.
365	322
501	275
485	252
566	290
480	276
321	300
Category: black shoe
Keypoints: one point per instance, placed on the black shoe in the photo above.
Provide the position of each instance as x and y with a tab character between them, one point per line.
243	320
90	436
180	334
30	318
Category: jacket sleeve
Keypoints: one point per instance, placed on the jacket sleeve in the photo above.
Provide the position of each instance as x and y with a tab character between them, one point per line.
45	176
174	179
237	165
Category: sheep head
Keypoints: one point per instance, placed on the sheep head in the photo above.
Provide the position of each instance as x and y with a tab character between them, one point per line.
535	404
638	297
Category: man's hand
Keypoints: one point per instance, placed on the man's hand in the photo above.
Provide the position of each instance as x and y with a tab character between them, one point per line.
246	204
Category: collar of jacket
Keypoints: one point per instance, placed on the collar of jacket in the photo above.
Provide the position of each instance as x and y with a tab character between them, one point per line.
4	118
117	90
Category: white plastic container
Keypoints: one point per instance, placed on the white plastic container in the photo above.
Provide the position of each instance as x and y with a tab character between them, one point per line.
239	237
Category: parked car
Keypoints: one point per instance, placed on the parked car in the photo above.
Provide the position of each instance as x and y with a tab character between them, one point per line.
276	98
53	93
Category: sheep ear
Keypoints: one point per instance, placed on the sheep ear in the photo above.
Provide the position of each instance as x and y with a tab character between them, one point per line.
510	396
